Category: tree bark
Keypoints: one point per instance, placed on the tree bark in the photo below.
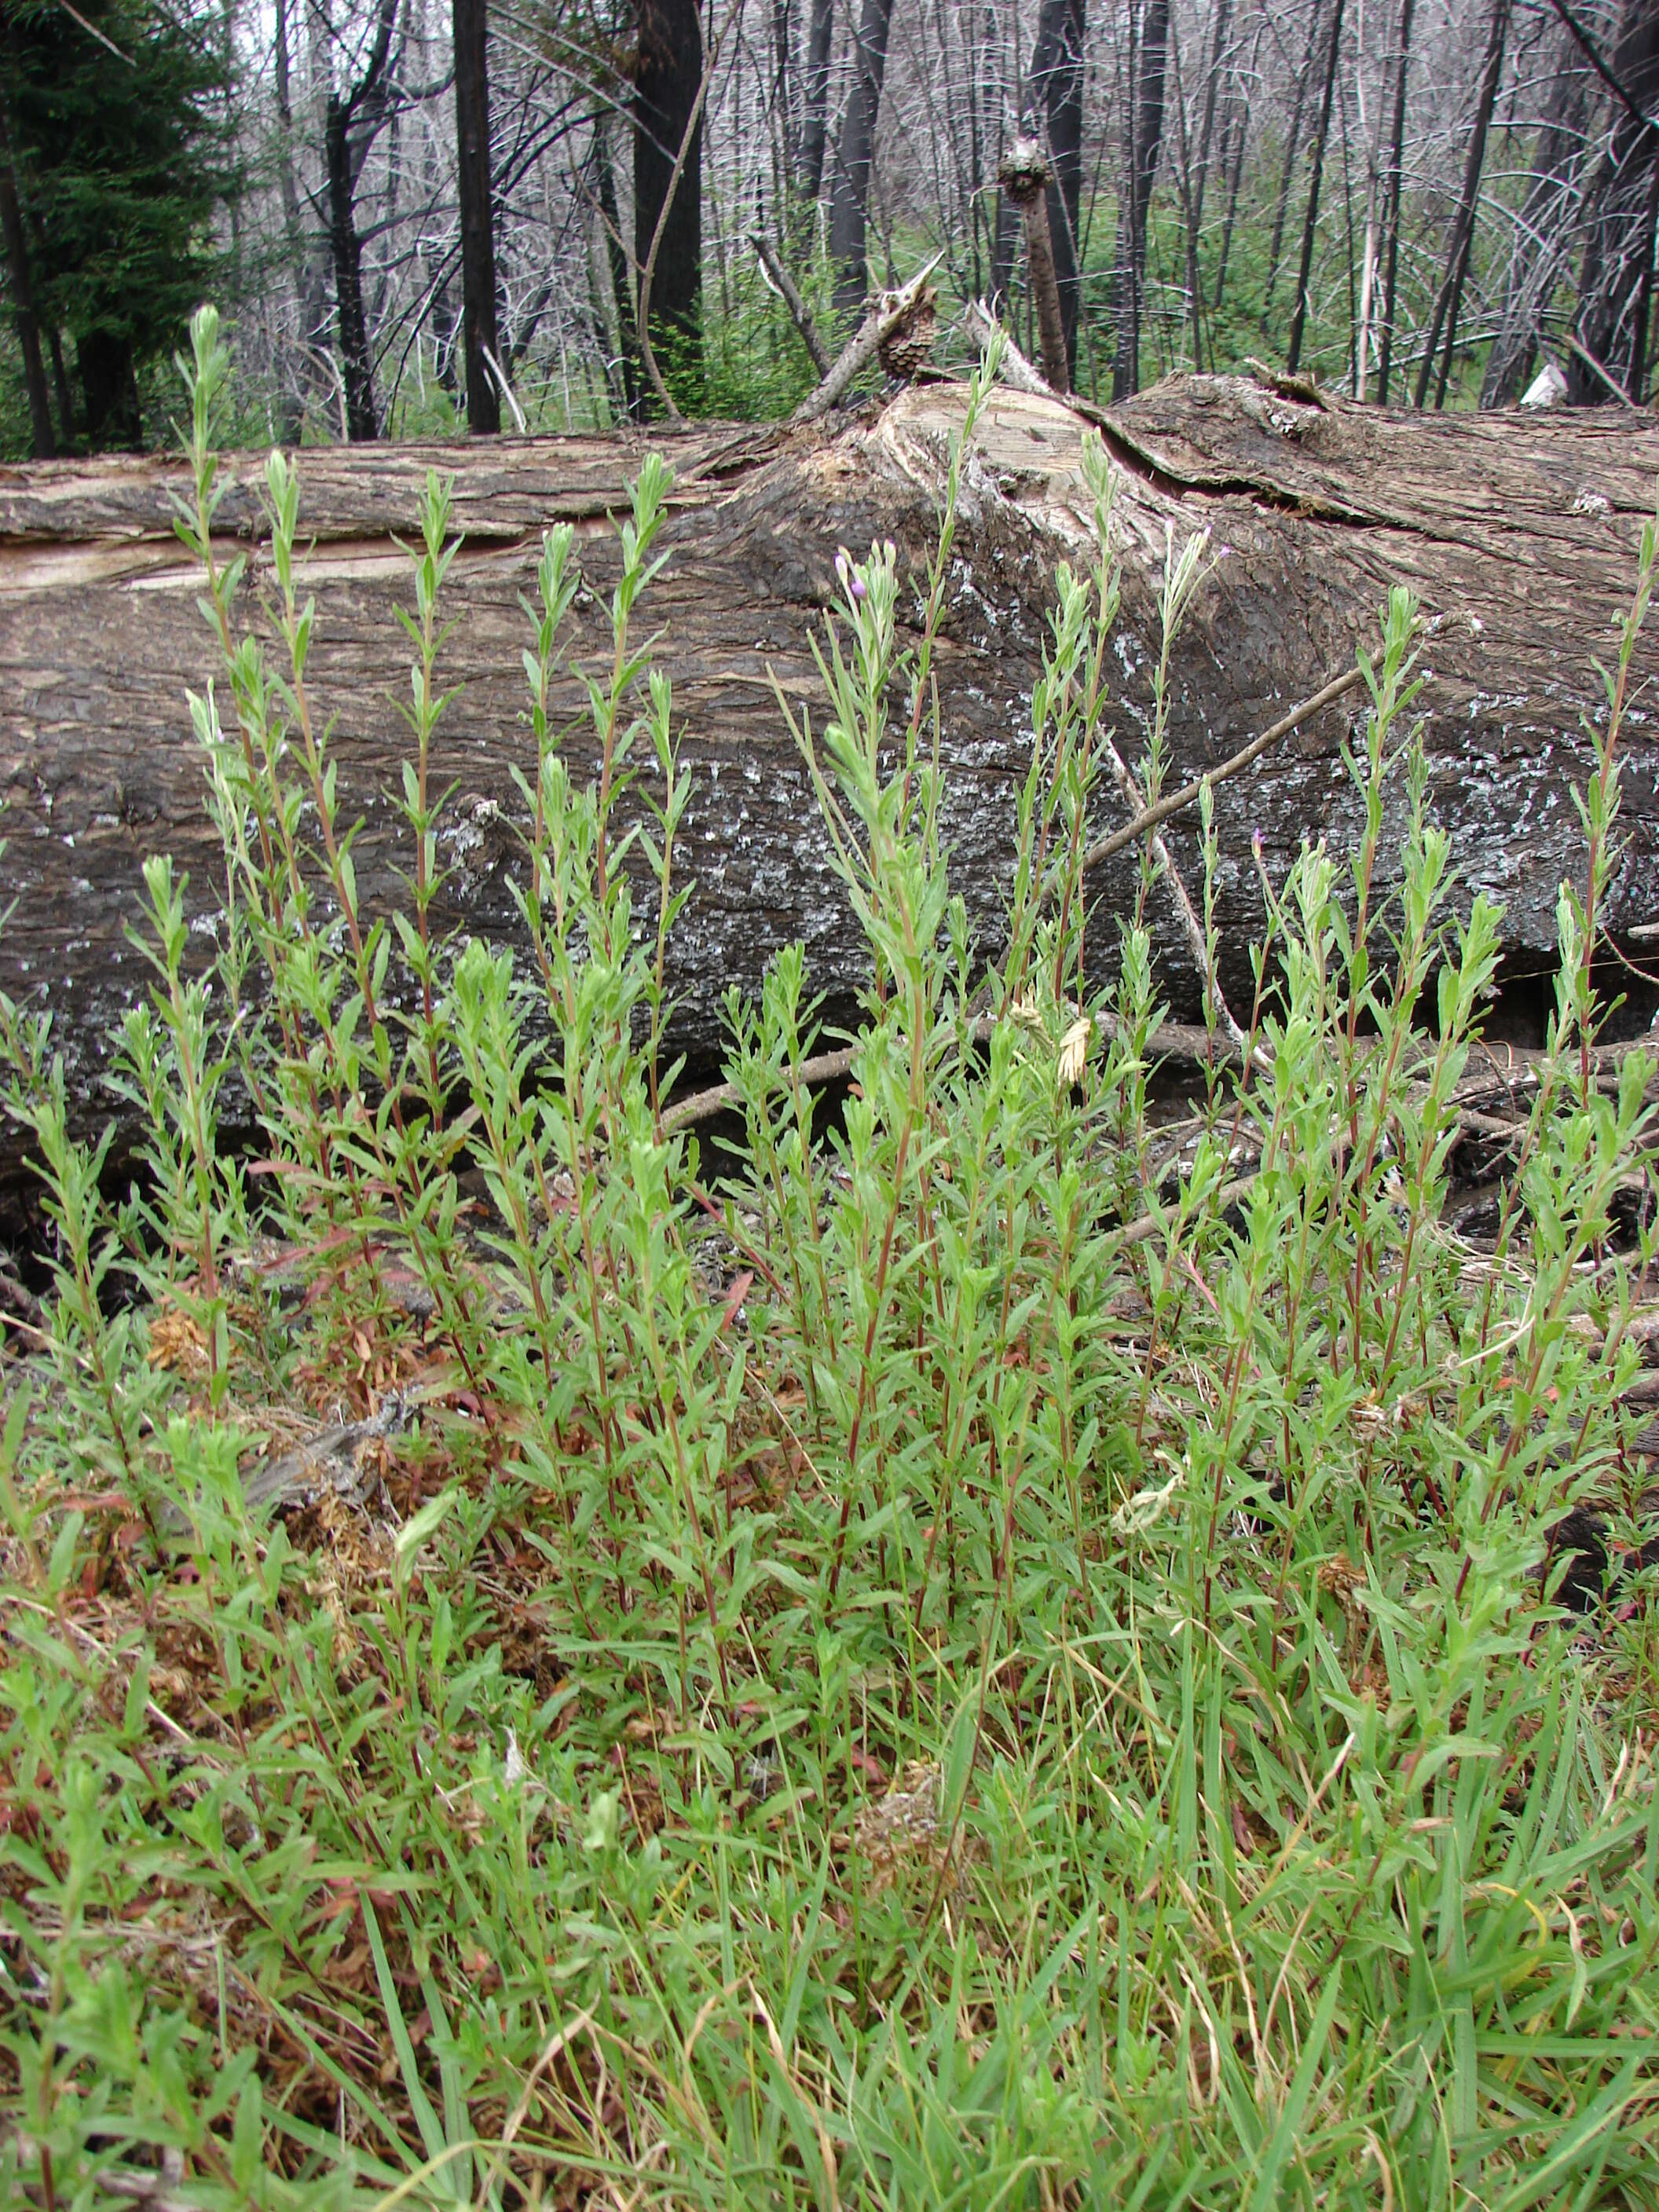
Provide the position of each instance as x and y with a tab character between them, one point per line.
1391	210
665	94
815	89
1145	137
307	301
1212	86
1617	217
350	124
854	152
1239	121
1304	274
23	307
474	190
622	290
1450	295
109	390
1057	83
1323	508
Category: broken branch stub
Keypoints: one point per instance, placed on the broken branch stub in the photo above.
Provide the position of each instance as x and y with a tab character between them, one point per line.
1023	174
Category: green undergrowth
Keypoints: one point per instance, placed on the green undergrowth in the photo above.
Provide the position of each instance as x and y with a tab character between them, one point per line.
1006	1652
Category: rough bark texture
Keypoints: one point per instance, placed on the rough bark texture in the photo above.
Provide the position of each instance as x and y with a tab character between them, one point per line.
849	200
1145	137
23	307
1518	531
1057	72
473	184
815	124
670	73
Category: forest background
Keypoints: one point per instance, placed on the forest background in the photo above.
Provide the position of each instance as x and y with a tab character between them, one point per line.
427	216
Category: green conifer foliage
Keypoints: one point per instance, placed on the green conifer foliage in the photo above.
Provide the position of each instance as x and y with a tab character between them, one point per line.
114	125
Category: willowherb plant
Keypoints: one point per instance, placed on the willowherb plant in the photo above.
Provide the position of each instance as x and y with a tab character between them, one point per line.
1006	1652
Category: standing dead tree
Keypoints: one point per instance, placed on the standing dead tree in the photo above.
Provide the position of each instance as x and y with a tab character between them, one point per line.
1621	207
1315	173
1148	62
1449	297
352	120
474	183
854	152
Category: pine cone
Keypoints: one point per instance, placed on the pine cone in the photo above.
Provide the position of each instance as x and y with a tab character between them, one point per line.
905	352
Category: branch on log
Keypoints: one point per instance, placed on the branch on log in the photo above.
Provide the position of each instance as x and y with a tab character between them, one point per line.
980	327
892	315
1023	174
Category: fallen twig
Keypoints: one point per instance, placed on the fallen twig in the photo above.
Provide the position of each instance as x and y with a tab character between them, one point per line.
1185	912
1151	816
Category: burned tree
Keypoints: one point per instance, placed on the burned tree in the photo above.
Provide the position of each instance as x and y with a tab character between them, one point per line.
667	205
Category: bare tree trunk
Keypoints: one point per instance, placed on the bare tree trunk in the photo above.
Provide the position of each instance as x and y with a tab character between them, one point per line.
665	93
1292	147
360	112
362	422
23	307
622	290
815	123
1223	9
1391	210
1462	238
1543	237
854	150
1620	246
293	402
1304	275
1146	83
1057	83
1239	122
474	185
1183	168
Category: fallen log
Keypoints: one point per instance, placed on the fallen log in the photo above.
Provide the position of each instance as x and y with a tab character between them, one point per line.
1518	531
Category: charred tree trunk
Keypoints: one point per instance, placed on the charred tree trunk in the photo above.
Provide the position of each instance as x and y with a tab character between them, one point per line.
1323	508
23	307
854	152
302	275
1391	210
621	291
1618	218
1212	87
109	392
666	95
350	125
1239	121
1316	171
1543	233
815	98
474	190
1146	85
1449	297
1287	175
1057	83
